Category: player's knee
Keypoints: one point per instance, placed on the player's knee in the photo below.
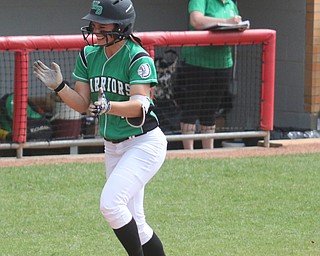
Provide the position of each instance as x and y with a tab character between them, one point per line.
115	215
109	205
109	213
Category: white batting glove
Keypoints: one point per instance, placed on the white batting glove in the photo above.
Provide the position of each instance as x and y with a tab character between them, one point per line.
52	78
101	106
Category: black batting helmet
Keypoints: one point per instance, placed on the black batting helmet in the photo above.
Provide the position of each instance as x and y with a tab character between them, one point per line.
119	12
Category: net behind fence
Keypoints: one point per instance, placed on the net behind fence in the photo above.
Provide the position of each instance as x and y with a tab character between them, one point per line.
234	98
48	117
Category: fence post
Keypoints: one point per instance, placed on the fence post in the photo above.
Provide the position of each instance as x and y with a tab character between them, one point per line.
19	126
268	78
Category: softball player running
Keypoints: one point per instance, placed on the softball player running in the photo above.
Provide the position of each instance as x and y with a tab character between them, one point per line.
113	80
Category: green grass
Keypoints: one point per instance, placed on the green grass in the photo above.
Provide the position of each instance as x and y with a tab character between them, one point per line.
242	206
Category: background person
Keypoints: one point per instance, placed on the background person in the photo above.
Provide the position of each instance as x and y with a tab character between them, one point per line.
206	70
114	79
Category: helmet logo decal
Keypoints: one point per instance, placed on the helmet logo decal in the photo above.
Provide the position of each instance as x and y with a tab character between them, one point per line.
144	71
128	9
97	7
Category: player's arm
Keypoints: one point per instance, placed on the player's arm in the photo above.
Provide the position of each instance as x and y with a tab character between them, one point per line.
139	94
134	110
79	98
137	106
199	21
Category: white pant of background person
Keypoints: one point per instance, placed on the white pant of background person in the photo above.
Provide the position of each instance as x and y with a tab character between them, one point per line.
129	167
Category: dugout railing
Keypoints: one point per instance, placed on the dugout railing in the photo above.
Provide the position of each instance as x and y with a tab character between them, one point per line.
253	100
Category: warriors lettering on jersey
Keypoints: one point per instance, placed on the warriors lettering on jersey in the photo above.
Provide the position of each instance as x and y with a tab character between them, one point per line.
109	84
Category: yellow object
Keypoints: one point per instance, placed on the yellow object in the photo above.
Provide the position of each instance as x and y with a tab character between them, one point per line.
3	134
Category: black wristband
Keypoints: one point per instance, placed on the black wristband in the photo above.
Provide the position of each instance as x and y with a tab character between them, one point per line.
61	86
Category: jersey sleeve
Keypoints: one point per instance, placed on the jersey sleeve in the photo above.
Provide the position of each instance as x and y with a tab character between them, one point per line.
80	71
197	5
143	71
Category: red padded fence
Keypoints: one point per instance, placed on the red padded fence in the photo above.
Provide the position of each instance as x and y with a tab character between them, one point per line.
23	45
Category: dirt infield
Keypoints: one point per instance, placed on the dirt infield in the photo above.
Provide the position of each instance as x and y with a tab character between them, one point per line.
282	147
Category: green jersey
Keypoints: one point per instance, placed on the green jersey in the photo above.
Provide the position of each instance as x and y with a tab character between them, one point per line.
130	65
218	57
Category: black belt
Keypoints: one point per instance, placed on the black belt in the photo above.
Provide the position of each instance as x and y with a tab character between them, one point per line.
128	138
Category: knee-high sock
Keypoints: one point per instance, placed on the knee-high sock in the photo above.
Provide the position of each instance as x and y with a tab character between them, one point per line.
129	238
153	247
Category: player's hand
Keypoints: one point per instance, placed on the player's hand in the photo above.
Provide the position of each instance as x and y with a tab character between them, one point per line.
51	77
101	106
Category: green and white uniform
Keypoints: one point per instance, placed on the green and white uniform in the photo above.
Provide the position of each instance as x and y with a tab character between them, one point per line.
131	160
130	65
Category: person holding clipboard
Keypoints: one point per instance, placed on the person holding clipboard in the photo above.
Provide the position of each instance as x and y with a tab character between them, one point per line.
206	71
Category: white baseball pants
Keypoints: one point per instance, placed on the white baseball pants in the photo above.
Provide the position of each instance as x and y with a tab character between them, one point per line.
129	167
